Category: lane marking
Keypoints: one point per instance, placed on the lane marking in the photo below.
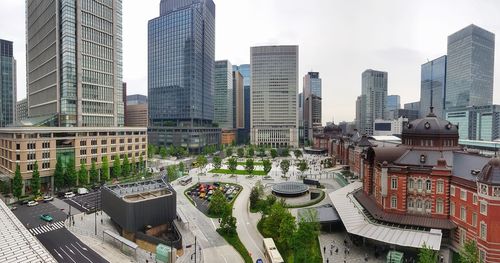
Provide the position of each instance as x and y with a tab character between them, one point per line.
85	249
58	253
67	255
70	250
81	253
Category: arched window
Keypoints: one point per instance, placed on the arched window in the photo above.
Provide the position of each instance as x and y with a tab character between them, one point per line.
419	184
394	202
411	204
419	204
411	184
427	205
439	206
428	185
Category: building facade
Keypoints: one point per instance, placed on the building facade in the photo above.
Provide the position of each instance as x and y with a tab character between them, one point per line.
389	127
433	86
136	111
311	111
372	104
238	101
470	68
244	134
274	86
480	123
24	146
8	83
223	94
393	104
74	62
21	110
181	64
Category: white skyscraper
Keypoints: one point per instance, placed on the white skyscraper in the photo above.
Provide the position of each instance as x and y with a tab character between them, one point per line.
274	86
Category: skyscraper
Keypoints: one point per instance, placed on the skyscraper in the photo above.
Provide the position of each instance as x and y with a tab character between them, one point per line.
274	71
244	70
8	90
469	69
312	104
181	50
372	103
223	94
393	104
238	101
74	61
433	87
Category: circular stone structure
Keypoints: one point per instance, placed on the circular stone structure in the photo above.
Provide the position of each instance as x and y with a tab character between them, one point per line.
290	189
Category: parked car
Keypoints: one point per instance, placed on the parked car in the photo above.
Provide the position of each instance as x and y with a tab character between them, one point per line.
23	202
202	195
48	198
38	198
46	217
69	195
13	208
32	203
83	191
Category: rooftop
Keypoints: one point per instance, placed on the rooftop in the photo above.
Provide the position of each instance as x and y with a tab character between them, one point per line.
140	191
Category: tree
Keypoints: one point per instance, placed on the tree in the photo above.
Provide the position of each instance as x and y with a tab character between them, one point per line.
284	165
117	169
285	152
171	173
249	166
232	164
181	168
105	169
82	174
286	230
267	166
228	222
133	166
126	166
272	223
250	152
427	255
240	152
163	152
59	174
141	164
94	174
35	180
229	151
217	162
151	150
297	153
274	153
305	236
262	151
302	166
218	204
469	252
201	161
70	176
17	183
254	197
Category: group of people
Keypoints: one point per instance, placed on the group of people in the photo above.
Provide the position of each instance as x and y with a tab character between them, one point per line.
335	248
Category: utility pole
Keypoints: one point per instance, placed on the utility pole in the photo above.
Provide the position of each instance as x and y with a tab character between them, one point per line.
195	249
95	215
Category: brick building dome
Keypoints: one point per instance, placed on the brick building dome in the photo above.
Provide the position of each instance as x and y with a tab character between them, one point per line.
490	173
430	125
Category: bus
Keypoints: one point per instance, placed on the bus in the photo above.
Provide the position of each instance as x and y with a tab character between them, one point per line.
271	252
185	180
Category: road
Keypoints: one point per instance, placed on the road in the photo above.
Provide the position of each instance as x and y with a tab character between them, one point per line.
65	247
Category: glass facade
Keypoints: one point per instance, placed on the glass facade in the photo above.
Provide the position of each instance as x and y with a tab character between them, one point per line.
372	103
7	83
223	94
433	87
477	122
470	63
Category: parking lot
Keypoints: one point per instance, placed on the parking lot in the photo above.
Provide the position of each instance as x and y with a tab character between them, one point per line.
30	216
87	203
202	197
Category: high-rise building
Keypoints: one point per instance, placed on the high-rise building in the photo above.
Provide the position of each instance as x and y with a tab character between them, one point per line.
244	134
433	87
274	87
136	111
312	104
372	103
181	64
469	69
8	89
393	103
21	110
476	122
300	114
74	62
238	101
412	106
223	94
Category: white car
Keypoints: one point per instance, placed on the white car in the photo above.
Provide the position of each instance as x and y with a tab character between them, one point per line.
69	195
48	198
32	203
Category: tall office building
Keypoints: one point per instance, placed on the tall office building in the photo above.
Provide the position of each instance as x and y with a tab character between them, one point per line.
393	104
238	101
8	89
300	114
433	87
274	71
244	134
312	104
181	64
74	62
372	103
136	111
223	94
469	69
476	122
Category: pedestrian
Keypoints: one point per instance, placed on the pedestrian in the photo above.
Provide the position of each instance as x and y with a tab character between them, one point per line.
324	249
348	251
331	252
327	261
336	251
366	257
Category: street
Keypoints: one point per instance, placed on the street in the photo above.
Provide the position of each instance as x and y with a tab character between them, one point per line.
86	203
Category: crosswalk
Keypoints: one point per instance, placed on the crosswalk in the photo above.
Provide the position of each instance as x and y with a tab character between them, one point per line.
46	228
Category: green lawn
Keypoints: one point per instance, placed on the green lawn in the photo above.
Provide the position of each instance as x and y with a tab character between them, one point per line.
235	241
239	172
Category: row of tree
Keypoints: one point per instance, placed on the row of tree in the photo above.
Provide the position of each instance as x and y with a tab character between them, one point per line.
250	152
164	152
468	254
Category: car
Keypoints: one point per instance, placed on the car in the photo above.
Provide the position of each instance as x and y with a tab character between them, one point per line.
83	191
202	195
46	217
32	203
38	198
210	192
13	208
69	195
48	198
23	202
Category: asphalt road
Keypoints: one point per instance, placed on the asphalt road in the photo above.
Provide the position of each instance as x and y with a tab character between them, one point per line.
85	202
30	216
65	247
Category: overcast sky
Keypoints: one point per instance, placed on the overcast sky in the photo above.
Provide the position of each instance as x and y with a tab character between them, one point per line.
338	38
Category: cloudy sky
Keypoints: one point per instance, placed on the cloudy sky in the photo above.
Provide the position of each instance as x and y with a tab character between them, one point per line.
338	38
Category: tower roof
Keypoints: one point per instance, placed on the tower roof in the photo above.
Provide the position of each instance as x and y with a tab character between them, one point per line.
490	173
431	125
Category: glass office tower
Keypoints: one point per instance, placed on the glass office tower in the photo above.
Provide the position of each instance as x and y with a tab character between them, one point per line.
433	87
7	83
372	103
223	94
469	69
181	62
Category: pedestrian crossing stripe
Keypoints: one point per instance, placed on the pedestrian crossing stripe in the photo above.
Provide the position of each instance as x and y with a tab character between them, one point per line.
46	228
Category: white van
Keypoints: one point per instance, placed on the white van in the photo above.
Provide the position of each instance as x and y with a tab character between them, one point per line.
83	191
